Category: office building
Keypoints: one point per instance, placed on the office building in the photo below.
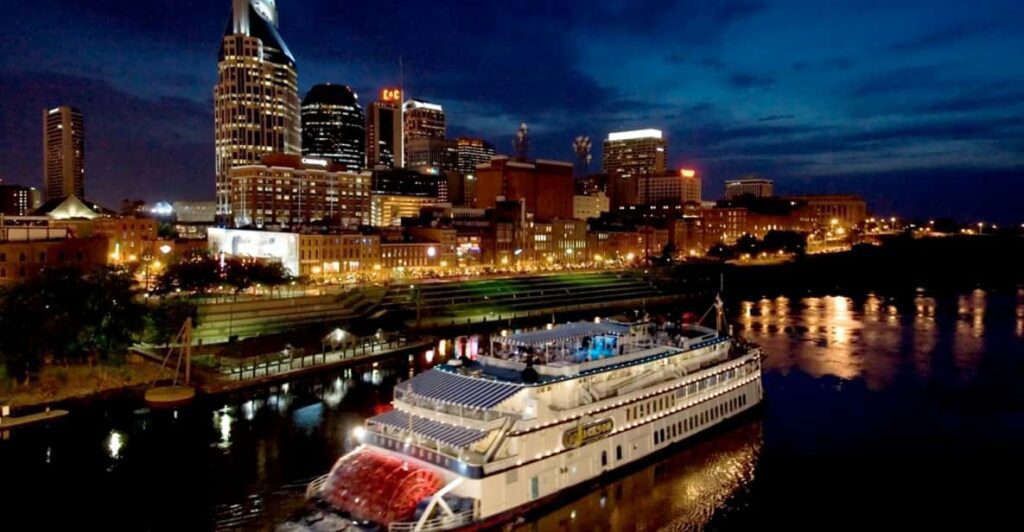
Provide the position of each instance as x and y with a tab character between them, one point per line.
63	153
423	120
256	99
473	152
630	154
543	186
756	187
441	154
17	200
675	188
384	140
829	210
389	209
290	191
334	127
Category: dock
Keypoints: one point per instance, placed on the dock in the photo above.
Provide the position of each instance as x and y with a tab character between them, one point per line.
13	422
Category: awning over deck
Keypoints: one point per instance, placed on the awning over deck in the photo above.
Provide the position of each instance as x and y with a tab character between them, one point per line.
562	333
444	433
459	390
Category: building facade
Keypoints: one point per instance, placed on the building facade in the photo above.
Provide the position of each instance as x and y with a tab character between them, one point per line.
129	239
423	120
591	206
473	152
822	211
630	154
290	191
17	200
387	210
674	188
322	256
429	152
63	153
543	186
256	99
21	260
562	241
758	188
384	139
334	126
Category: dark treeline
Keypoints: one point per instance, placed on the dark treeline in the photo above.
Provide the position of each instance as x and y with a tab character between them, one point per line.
901	265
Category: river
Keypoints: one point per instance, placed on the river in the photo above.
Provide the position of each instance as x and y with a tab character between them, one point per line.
879	412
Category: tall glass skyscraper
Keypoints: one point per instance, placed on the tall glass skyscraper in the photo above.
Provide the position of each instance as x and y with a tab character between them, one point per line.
333	126
256	99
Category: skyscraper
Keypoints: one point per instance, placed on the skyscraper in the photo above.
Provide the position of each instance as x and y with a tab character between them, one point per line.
384	141
63	153
256	99
423	120
333	126
473	152
634	153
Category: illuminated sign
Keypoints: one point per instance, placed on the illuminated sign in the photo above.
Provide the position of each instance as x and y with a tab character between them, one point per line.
391	95
322	163
685	172
638	134
584	434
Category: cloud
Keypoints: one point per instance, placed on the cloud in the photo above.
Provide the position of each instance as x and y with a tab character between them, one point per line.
747	80
832	63
943	36
972	102
772	118
897	80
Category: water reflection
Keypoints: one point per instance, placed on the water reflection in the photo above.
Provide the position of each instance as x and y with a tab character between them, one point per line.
830	336
1020	312
115	442
222	421
680	492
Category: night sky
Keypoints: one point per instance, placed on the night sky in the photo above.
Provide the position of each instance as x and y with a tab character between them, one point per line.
920	108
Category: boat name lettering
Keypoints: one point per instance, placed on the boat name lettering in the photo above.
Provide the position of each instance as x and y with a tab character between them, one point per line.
584	434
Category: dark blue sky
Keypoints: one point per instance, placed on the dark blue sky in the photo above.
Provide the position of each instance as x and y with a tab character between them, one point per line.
919	107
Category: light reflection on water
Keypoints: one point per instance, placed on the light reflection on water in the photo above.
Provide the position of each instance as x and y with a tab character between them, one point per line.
682	491
1020	312
837	336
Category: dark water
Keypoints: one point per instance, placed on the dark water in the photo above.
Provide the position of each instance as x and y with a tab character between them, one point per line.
880	413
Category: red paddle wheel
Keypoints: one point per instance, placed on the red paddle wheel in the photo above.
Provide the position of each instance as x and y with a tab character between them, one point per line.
377	487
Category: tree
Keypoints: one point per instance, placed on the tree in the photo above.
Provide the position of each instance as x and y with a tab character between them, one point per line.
69	316
195	273
786	241
113	316
23	343
164	320
668	252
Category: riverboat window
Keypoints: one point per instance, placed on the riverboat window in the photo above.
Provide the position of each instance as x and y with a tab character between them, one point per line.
618	452
655	437
604	458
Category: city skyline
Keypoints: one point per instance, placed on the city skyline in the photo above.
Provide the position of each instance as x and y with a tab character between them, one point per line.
878	108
